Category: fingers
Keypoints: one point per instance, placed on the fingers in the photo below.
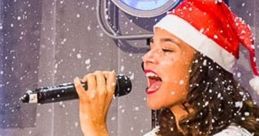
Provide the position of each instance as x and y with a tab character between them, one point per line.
79	88
90	79
111	81
96	100
111	85
100	82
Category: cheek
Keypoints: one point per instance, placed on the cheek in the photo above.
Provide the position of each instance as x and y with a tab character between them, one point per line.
177	74
175	93
176	81
175	88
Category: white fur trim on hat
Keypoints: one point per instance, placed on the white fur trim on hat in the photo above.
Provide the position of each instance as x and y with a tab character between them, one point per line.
189	34
254	83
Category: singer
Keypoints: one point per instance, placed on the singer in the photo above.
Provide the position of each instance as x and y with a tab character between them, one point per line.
189	70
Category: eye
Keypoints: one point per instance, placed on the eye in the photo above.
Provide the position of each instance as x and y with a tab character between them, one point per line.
167	50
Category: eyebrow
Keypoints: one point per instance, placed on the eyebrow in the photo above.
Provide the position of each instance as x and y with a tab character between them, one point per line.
170	40
167	40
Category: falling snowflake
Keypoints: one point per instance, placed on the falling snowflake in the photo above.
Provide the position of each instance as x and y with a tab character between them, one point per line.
78	15
122	68
18	18
79	56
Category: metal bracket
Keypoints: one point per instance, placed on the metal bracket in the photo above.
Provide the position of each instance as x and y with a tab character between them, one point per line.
109	31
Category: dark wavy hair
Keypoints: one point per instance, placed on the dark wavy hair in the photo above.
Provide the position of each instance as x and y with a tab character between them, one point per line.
218	101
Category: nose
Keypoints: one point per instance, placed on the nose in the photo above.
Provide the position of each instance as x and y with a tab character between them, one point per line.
149	57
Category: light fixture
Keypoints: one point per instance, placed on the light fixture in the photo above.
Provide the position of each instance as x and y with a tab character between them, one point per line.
146	8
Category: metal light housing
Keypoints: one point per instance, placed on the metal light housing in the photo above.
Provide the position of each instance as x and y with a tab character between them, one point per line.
145	8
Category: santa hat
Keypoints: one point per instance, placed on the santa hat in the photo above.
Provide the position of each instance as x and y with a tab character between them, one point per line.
210	27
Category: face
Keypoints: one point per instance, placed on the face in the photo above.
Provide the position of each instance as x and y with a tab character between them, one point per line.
167	66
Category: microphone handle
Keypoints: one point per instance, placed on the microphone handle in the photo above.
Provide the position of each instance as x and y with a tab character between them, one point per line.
67	91
58	93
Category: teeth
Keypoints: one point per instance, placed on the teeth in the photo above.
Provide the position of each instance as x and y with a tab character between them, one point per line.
150	74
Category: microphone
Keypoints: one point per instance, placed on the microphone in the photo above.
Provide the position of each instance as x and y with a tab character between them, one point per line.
67	91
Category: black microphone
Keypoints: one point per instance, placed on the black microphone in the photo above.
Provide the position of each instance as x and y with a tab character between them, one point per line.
67	91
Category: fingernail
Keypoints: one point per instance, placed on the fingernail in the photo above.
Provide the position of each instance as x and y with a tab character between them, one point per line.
76	80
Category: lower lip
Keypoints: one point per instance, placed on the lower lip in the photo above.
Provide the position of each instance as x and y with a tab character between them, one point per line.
151	91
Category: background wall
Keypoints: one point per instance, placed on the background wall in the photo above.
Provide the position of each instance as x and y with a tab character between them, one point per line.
50	42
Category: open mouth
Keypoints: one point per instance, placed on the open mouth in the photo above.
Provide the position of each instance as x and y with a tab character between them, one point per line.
154	81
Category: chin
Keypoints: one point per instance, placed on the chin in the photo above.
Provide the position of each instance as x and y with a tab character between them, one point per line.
153	105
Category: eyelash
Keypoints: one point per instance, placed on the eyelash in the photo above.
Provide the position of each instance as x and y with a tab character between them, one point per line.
167	50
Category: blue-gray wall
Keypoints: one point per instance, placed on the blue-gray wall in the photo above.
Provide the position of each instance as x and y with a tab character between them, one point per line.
50	42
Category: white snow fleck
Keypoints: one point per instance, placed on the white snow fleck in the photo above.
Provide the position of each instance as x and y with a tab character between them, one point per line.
113	118
122	68
79	56
87	61
219	95
18	18
78	15
49	110
239	104
204	63
38	114
76	124
246	113
238	74
181	82
215	37
106	17
63	41
132	76
206	103
89	28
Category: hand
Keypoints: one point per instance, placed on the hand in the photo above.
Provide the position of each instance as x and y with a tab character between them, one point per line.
95	101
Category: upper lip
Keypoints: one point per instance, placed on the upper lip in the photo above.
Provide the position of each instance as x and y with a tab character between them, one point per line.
147	71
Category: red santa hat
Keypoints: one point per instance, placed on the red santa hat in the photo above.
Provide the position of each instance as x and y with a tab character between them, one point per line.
210	27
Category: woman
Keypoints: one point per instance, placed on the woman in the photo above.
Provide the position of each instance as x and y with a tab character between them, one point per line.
189	71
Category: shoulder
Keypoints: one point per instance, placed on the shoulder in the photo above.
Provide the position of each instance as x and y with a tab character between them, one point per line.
234	130
152	132
231	130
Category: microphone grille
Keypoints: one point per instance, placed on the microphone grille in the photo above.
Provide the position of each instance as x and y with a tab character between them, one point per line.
124	85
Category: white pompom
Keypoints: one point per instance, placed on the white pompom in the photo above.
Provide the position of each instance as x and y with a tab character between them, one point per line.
254	83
